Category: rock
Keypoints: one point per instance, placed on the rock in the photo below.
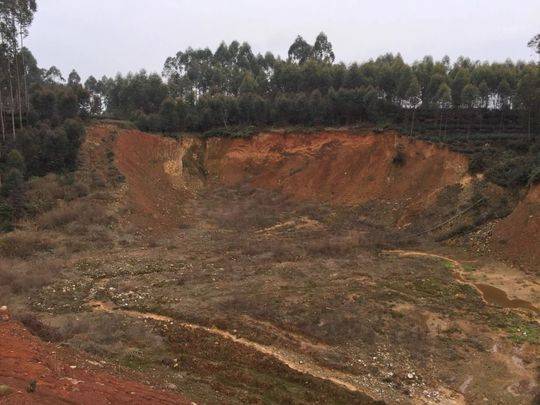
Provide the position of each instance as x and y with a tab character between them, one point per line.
4	314
5	390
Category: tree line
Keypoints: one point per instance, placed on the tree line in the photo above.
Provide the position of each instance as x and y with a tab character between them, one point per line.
40	113
201	89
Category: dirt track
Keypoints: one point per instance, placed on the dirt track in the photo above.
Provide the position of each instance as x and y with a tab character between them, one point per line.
489	293
291	359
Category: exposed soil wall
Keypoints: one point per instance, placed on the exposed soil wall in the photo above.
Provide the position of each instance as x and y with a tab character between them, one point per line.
337	167
427	187
518	235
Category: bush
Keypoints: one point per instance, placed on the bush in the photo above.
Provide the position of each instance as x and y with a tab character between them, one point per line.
510	173
22	244
535	175
399	158
477	164
6	217
82	213
22	277
38	328
43	193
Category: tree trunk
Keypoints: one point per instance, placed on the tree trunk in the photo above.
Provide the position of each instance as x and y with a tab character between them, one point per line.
529	124
470	125
17	77
26	98
19	96
12	99
2	115
412	121
440	122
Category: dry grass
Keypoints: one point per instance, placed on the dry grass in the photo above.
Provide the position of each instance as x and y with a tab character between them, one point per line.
23	244
22	277
76	217
44	193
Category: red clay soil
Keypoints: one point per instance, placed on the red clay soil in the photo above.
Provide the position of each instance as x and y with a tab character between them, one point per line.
336	167
63	376
154	172
518	235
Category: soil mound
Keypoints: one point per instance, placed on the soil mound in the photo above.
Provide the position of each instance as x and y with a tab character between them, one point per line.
56	375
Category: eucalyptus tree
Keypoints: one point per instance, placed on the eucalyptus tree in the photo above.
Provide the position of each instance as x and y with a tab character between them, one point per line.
534	43
470	96
323	50
74	79
414	98
528	93
300	51
15	18
444	100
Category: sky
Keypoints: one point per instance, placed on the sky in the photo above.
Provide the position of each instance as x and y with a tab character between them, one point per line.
104	37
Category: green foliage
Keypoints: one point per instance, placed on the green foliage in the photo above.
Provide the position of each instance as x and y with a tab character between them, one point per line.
6	216
534	177
237	132
513	172
12	183
534	43
233	86
15	161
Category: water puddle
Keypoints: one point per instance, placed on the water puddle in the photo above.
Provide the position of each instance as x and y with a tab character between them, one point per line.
492	295
496	296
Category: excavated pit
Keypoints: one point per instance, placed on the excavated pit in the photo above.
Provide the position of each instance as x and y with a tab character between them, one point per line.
332	167
304	268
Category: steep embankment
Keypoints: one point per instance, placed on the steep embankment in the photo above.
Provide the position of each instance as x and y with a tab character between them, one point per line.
335	167
518	235
428	187
157	178
62	376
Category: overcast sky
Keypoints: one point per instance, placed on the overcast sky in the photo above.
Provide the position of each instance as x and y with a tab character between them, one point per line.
108	36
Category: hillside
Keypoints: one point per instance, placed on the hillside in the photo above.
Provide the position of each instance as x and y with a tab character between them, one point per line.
312	268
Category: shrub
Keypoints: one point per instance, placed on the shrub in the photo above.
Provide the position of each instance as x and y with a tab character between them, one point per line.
82	213
23	244
535	175
22	277
477	164
6	217
38	328
43	193
510	173
399	158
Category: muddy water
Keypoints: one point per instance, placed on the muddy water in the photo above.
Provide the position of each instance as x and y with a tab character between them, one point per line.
496	296
492	295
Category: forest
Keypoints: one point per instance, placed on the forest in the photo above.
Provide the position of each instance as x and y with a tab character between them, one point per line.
41	115
200	89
